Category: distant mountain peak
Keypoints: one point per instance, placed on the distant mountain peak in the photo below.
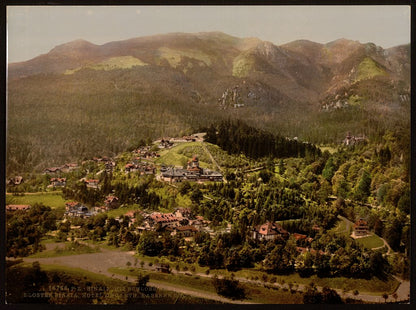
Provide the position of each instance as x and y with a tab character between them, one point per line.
342	41
79	44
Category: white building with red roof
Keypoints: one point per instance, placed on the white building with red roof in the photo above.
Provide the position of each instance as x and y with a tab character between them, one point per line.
269	231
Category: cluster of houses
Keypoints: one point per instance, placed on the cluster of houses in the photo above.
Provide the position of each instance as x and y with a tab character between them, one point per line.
144	152
143	168
77	209
193	172
181	222
62	169
108	162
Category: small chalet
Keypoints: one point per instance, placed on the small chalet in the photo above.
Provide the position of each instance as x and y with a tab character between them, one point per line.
17	207
111	202
58	182
360	228
269	231
17	180
93	183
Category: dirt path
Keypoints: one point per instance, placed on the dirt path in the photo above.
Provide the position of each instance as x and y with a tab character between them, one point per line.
210	155
389	250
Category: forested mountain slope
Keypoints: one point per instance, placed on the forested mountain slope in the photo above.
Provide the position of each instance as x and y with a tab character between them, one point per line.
82	99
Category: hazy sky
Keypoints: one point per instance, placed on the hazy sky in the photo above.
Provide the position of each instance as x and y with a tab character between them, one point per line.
35	30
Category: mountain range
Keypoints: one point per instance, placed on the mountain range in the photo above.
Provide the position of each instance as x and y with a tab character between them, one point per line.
170	84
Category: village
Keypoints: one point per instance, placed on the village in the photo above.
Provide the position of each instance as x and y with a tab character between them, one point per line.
182	222
173	201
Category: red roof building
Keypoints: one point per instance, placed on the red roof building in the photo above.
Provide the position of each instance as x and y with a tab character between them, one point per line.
269	231
17	207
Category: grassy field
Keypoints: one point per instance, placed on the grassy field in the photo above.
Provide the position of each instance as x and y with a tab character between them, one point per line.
180	154
66	249
342	227
121	211
370	242
113	63
330	149
174	56
368	69
51	199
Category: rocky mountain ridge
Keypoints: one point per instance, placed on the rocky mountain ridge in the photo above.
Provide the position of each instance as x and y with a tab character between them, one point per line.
302	71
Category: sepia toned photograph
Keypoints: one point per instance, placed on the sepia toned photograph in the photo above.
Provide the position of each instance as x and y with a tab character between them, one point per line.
226	154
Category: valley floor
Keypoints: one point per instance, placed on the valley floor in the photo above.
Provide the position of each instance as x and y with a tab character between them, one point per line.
107	260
